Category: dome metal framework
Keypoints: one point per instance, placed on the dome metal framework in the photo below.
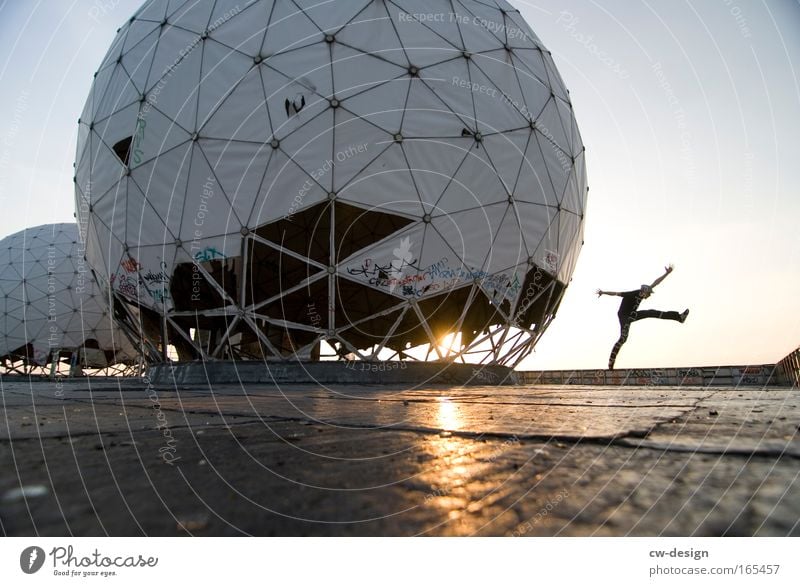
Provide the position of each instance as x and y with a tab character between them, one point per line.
371	179
54	316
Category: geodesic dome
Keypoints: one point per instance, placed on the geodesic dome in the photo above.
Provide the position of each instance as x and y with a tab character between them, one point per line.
373	176
51	305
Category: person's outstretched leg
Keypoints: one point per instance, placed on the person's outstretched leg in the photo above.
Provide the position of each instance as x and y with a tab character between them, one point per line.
645	313
624	329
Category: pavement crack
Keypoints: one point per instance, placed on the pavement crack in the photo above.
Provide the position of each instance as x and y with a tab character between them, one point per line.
679	448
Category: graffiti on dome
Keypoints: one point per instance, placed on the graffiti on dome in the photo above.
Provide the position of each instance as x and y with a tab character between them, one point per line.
159	295
209	253
414	280
138	140
156	278
126	284
130	265
133	277
551	260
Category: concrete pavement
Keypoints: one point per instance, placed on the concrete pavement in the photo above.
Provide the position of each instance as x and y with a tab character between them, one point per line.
99	457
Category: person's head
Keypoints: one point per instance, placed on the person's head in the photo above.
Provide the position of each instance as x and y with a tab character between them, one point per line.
645	291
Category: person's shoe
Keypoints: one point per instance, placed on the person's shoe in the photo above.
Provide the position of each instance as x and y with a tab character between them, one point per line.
684	315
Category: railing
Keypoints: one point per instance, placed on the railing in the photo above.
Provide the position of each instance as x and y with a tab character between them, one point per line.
788	369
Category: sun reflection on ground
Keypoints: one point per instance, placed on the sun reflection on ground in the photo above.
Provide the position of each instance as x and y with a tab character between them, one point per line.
447	416
452	464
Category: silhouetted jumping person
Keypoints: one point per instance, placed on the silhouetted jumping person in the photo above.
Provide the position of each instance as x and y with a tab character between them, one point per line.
629	311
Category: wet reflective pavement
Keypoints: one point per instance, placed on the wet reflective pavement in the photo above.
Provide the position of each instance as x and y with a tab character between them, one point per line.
309	460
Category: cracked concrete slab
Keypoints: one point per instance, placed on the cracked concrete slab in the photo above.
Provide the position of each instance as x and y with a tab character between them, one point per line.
735	422
358	460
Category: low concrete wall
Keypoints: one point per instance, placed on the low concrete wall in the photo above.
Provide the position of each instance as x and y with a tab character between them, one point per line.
753	375
356	372
426	373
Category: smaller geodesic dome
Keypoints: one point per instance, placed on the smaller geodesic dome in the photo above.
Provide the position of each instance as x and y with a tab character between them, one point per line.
51	305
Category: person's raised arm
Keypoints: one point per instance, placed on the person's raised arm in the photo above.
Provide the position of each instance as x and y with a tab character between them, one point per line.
667	271
600	293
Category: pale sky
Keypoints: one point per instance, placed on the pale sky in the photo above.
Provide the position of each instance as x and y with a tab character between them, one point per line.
690	112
